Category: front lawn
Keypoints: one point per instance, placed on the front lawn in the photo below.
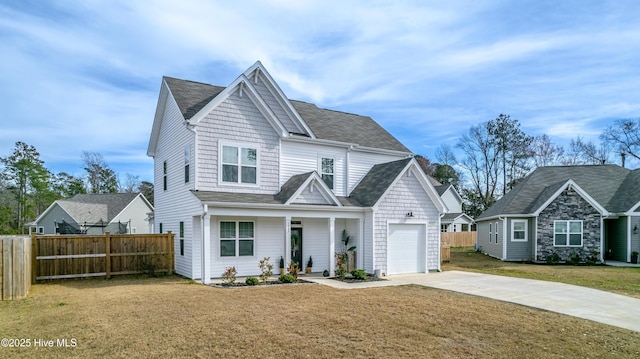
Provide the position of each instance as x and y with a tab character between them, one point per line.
173	317
614	279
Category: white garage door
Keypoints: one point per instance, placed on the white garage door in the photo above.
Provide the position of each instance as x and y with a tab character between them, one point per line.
406	249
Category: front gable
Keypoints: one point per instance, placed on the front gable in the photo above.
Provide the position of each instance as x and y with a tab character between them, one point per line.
307	188
569	185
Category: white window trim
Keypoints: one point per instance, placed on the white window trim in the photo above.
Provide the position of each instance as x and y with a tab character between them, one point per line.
187	162
568	222
237	238
40	230
332	158
239	145
526	230
490	232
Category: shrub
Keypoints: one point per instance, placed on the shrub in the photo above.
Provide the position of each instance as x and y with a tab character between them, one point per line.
592	259
574	259
229	275
287	278
293	269
251	281
266	269
359	274
553	258
341	265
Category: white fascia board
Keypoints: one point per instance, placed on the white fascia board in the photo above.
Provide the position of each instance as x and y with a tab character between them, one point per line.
501	216
635	210
157	119
382	151
259	70
316	180
580	191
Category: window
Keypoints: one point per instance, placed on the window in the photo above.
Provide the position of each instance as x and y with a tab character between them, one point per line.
40	230
567	233
490	232
443	227
187	160
496	233
160	227
134	230
236	237
239	164
326	169
518	230
164	177
181	238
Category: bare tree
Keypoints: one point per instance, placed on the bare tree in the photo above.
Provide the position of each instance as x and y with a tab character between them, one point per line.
101	178
583	152
624	137
131	183
545	152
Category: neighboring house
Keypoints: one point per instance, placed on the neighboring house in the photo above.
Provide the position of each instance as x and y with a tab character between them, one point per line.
243	173
116	213
455	220
568	210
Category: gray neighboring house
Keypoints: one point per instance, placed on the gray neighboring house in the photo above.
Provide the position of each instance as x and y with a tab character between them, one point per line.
566	210
117	213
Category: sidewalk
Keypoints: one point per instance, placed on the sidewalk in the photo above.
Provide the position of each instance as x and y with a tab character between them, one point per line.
582	302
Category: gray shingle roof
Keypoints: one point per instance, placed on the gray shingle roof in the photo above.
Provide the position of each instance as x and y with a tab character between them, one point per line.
332	125
617	189
291	186
115	202
376	182
346	127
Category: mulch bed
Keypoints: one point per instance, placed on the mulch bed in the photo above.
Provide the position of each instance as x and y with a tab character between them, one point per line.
351	279
242	284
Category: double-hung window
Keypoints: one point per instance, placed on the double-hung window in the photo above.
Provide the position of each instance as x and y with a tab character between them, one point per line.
187	160
567	233
326	167
519	230
239	164
236	238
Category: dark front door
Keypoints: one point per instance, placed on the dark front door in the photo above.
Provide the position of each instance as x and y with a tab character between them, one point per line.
296	246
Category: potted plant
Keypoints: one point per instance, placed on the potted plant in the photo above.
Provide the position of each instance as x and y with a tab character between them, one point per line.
281	266
634	257
309	266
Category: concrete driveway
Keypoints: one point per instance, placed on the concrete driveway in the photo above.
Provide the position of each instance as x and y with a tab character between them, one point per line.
600	306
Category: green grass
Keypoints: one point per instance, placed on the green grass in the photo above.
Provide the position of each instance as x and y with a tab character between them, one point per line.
620	280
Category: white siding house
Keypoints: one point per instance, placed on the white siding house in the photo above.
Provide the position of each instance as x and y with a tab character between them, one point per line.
243	173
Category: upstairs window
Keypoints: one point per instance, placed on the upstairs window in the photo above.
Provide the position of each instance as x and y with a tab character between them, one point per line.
164	175
187	160
239	164
327	172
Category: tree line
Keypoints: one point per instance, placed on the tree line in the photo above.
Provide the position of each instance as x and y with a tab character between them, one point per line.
498	154
27	187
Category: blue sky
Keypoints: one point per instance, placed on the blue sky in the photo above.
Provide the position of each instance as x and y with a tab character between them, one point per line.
85	75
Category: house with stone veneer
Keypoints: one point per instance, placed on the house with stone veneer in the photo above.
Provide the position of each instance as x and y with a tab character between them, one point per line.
565	210
242	173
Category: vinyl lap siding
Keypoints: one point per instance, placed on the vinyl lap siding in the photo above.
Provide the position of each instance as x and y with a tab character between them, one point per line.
136	212
237	120
269	242
486	242
635	237
300	158
520	251
315	242
308	197
176	204
407	196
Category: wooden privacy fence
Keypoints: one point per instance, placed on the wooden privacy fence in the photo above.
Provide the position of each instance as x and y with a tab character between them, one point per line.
83	256
458	239
15	268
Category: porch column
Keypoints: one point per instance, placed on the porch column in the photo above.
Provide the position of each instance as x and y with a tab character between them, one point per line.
360	255
332	246
206	248
287	241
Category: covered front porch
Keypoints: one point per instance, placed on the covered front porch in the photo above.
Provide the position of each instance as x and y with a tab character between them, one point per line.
241	237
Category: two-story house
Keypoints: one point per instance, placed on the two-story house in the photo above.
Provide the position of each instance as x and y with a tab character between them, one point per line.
242	173
455	220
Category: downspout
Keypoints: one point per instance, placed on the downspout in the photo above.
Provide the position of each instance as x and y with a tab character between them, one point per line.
439	243
504	237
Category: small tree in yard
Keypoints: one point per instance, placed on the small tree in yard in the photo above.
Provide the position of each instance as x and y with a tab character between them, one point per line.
266	269
229	275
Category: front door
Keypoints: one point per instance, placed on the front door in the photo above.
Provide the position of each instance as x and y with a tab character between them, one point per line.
296	246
